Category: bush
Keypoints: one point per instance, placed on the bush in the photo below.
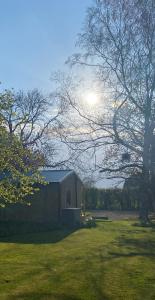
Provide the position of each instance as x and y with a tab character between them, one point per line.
89	223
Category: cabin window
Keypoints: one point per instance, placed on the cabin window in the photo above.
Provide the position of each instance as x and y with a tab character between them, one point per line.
68	199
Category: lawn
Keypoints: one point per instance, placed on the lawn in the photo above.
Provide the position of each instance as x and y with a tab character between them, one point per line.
115	260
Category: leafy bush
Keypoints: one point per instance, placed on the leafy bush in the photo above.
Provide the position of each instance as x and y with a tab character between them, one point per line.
89	223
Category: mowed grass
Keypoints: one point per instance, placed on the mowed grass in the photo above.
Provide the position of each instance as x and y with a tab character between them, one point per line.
115	260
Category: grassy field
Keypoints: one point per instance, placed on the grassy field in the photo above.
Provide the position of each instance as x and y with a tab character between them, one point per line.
115	260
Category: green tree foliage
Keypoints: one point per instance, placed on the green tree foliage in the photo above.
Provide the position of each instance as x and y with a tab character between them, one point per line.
18	165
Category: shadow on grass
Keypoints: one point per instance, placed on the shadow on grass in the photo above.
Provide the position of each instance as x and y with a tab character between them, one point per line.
97	287
131	254
42	296
135	247
50	296
49	237
151	224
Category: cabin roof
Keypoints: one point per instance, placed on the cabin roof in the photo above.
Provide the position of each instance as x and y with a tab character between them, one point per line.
55	175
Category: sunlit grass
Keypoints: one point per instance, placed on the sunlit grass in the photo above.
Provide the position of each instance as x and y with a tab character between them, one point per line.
115	260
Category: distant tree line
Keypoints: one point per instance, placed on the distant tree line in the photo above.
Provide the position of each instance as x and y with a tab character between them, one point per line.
111	199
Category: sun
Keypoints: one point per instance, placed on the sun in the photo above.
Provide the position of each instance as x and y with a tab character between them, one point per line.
91	98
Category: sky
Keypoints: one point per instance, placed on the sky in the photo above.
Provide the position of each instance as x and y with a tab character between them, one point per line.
37	37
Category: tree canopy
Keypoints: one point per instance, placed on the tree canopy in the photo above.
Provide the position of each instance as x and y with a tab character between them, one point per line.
18	165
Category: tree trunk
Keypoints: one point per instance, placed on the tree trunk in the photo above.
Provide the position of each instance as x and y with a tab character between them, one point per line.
145	180
144	207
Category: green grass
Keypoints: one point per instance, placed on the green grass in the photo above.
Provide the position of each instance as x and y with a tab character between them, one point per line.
115	260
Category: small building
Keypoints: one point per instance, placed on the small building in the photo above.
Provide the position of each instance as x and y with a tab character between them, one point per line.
58	201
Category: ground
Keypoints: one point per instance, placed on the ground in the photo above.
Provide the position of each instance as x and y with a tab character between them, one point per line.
115	260
115	215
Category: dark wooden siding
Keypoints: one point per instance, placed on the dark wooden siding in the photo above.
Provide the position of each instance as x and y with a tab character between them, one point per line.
74	185
44	207
47	204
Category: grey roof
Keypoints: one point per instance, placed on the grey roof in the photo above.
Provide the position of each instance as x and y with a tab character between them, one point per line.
55	175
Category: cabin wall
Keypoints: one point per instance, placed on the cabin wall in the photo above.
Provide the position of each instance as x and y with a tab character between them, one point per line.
47	204
80	189
44	207
73	185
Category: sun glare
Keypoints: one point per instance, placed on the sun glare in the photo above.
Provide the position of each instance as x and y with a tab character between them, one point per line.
91	99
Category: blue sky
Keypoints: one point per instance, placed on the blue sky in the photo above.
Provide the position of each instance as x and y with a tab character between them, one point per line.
36	38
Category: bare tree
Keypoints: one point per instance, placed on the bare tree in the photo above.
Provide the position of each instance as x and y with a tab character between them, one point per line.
118	43
35	119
